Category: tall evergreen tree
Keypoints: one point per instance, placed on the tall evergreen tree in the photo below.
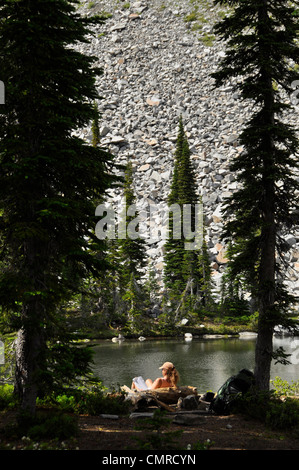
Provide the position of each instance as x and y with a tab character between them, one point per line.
129	257
181	265
49	179
174	247
234	287
262	38
204	275
92	290
132	253
121	283
152	285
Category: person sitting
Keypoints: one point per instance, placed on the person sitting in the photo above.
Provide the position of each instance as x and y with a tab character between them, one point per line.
170	378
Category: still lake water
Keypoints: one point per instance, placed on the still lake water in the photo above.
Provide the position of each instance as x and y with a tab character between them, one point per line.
202	363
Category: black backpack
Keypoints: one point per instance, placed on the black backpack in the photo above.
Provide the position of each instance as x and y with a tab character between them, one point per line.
228	392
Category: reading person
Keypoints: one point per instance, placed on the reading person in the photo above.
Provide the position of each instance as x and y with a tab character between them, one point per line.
170	378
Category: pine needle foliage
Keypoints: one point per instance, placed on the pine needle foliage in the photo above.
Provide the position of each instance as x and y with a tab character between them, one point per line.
261	39
50	179
181	265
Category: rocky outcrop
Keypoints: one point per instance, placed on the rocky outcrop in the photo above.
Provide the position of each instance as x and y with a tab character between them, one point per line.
156	66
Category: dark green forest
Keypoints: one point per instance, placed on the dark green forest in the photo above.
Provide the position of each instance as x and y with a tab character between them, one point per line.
61	283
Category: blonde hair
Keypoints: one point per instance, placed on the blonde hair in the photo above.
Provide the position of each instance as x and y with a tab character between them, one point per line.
172	376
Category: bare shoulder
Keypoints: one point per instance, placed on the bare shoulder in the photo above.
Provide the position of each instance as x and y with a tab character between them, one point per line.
157	383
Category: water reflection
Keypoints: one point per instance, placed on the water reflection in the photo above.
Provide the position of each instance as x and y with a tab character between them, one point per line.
205	364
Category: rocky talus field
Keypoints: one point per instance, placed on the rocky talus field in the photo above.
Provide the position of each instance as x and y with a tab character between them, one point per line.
157	58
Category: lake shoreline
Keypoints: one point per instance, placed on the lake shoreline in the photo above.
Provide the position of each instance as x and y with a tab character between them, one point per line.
134	338
210	332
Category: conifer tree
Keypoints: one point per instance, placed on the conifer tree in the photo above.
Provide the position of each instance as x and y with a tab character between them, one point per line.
126	259
152	285
262	44
131	250
136	304
93	290
174	247
131	244
233	288
181	265
49	179
204	276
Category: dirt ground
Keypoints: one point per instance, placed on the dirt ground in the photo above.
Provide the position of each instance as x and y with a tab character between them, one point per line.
233	432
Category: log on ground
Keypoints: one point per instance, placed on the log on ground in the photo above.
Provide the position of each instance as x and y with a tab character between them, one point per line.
169	395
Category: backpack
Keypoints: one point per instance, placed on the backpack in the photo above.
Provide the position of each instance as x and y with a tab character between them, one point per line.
230	390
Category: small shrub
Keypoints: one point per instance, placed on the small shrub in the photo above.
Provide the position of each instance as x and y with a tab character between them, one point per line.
155	435
7	397
87	400
67	403
94	403
283	415
282	387
266	407
60	426
44	425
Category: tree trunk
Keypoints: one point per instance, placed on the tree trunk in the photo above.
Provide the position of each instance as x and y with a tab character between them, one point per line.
266	289
264	345
29	346
263	358
266	294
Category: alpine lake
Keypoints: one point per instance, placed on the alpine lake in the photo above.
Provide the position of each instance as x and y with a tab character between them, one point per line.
205	363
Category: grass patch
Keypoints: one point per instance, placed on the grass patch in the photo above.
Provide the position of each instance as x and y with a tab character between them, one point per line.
196	27
191	17
208	39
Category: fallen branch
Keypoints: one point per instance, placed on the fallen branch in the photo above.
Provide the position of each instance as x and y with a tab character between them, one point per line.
169	395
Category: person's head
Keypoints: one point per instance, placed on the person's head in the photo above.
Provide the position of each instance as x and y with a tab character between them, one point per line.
170	373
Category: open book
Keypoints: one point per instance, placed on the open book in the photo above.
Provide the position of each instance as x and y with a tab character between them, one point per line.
140	383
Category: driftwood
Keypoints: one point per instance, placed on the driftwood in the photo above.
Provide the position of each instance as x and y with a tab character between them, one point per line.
162	396
160	404
182	404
